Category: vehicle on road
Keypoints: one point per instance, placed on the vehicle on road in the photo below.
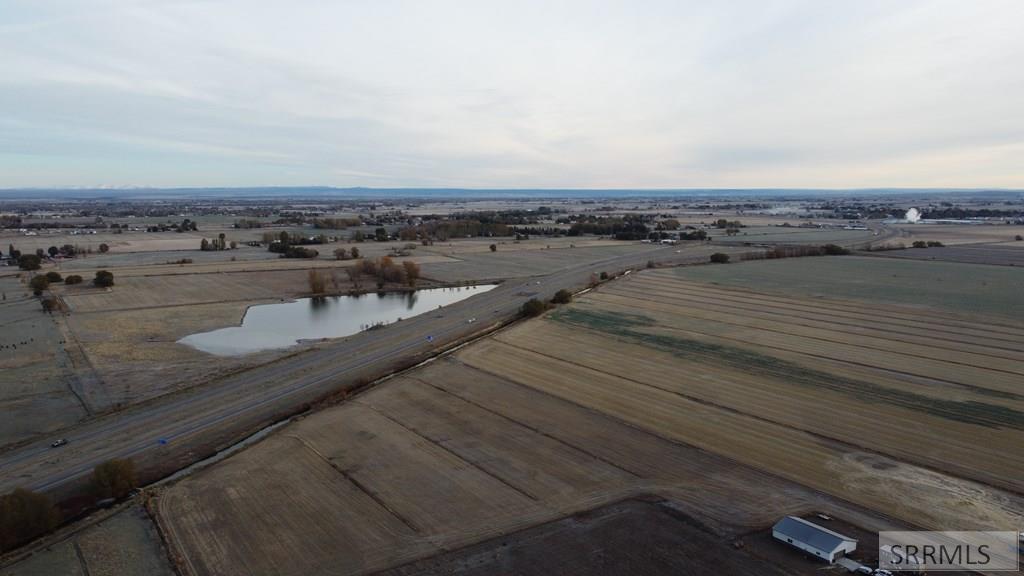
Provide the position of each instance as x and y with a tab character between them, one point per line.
58	443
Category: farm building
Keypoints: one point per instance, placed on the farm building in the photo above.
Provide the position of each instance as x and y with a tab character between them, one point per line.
813	539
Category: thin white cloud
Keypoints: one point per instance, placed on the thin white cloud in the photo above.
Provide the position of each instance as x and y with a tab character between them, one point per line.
814	93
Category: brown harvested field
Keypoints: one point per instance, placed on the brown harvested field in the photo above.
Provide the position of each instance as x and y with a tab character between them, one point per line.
162	291
828	397
37	376
135	354
1000	254
519	263
631	537
440	459
958	233
733	405
167	267
125	543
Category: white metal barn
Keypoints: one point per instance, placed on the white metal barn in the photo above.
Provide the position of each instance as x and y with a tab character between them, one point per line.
813	539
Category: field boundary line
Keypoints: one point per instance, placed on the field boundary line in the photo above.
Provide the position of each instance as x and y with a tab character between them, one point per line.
731	304
828	496
860	305
817	435
972	387
861	346
81	557
446	449
359	485
177	557
528	427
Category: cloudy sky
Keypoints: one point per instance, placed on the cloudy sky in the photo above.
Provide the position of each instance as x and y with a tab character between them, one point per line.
475	93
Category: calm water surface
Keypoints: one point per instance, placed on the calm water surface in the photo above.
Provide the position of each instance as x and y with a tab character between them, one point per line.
274	326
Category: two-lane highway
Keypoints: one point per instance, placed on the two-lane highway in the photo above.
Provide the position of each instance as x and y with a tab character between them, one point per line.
230	408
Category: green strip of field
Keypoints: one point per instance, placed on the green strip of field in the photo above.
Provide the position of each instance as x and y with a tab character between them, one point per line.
630	328
953	286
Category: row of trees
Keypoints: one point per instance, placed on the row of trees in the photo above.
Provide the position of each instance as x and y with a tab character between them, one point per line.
343	254
534	307
383	270
33	261
186	225
25	515
42	282
218	243
797	252
625	228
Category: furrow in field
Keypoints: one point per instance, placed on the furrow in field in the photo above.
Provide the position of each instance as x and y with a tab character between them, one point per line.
882	313
760	342
978	452
788	452
227	520
729	320
386	458
870	328
535	464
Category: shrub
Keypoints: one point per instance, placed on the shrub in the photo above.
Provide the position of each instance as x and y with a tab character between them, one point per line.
340	253
494	247
299	252
834	250
920	244
650	264
103	279
533	307
29	262
355	252
563	296
53	276
720	258
1018	237
412	272
317	282
73	279
39	283
935	244
25	515
604	275
114	478
104	248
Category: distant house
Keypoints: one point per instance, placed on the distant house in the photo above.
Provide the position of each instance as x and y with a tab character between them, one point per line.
813	539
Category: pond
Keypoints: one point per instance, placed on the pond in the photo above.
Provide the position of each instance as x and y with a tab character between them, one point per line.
276	326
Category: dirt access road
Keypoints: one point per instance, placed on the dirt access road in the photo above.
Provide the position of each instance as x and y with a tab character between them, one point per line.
172	432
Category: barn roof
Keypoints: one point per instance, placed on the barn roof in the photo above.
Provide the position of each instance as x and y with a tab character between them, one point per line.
810	533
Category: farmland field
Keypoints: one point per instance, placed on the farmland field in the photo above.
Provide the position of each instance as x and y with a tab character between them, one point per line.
957	234
631	537
37	380
736	406
125	543
444	457
794	235
1002	254
940	286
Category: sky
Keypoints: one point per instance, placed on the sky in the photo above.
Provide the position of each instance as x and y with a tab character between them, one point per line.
522	94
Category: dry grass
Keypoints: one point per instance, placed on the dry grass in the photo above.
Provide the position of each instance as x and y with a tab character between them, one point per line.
431	462
729	403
